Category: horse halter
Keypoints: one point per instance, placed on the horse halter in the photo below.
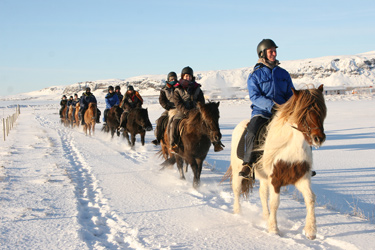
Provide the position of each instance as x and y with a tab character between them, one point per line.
307	129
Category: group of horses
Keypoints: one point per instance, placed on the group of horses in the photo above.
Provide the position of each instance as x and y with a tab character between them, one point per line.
283	153
72	119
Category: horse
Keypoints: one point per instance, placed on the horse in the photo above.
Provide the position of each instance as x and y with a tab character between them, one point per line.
90	118
64	118
76	115
113	120
70	118
137	123
287	155
197	131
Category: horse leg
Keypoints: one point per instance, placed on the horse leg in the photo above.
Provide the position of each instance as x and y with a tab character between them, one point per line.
126	135
143	137
236	187
132	139
196	166
180	164
264	194
274	205
304	186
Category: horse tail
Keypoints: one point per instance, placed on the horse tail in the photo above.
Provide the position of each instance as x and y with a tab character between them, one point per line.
227	175
168	163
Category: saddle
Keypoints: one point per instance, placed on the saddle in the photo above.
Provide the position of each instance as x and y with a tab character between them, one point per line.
257	142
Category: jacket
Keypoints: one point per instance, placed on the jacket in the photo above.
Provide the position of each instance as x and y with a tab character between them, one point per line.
186	98
131	102
86	99
166	97
111	99
266	87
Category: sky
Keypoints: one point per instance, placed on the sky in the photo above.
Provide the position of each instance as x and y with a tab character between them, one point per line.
49	43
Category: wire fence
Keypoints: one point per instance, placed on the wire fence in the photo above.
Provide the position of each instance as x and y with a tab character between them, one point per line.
8	123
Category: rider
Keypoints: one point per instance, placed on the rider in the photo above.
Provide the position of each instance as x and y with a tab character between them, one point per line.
111	99
186	95
63	103
74	103
70	101
132	99
118	92
166	101
86	98
267	84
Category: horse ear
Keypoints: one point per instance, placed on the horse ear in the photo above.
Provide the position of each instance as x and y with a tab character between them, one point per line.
295	92
321	88
218	104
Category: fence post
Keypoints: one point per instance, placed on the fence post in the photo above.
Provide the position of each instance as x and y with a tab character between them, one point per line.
4	128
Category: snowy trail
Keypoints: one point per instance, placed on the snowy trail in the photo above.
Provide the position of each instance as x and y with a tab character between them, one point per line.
105	195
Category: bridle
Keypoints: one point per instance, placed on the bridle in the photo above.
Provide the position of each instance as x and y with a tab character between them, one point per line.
307	129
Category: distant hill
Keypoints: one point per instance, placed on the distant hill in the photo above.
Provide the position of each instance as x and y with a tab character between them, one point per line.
335	72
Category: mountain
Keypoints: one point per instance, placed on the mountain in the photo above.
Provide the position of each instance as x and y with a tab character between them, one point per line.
337	73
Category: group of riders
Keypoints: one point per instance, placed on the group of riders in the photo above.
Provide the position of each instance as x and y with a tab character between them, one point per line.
268	85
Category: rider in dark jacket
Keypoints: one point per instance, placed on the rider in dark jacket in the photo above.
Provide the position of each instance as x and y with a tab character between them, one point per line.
86	98
118	92
132	99
111	99
69	103
63	103
166	101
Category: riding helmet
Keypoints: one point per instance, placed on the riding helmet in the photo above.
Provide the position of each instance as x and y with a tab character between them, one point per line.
263	46
130	87
110	88
187	70
88	88
117	88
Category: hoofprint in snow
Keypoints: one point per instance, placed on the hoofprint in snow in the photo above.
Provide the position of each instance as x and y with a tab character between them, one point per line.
60	189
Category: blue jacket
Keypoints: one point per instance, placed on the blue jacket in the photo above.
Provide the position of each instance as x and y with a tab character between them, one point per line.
266	87
111	99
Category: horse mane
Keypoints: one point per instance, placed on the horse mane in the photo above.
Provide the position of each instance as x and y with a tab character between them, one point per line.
294	111
196	115
296	108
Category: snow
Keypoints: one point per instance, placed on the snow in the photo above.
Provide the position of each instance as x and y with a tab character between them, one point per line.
60	189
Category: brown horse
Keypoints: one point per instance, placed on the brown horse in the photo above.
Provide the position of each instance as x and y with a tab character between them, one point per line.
70	118
64	118
113	120
137	123
90	118
76	115
197	131
287	155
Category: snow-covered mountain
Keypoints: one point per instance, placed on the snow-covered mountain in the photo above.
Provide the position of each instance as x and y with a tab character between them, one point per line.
335	72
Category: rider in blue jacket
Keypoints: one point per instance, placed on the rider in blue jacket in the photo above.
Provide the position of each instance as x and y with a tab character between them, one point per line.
86	98
111	99
267	84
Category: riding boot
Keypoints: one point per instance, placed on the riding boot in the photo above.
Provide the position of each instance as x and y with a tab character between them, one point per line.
246	170
174	135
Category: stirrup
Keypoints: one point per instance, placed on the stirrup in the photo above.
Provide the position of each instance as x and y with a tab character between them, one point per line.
247	171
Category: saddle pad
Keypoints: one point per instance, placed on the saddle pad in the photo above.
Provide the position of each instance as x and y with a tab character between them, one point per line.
258	138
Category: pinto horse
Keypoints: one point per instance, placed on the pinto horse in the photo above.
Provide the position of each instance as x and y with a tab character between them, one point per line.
287	155
197	131
137	123
113	120
90	118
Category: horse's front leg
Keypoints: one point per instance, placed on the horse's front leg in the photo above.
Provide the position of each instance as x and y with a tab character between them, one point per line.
126	135
264	194
304	186
132	139
143	137
274	205
180	165
196	166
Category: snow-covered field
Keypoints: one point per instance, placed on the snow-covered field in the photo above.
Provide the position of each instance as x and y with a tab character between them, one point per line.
60	189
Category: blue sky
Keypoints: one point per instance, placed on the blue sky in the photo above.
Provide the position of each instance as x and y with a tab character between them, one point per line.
45	43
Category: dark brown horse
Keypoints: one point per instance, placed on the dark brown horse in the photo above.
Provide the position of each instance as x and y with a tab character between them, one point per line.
197	131
137	123
113	120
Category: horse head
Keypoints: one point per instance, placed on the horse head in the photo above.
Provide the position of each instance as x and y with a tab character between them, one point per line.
210	116
310	112
143	120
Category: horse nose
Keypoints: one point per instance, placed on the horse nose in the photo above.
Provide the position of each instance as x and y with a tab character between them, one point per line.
318	140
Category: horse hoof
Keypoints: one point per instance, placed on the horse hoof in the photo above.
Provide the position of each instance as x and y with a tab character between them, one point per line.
309	236
148	128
